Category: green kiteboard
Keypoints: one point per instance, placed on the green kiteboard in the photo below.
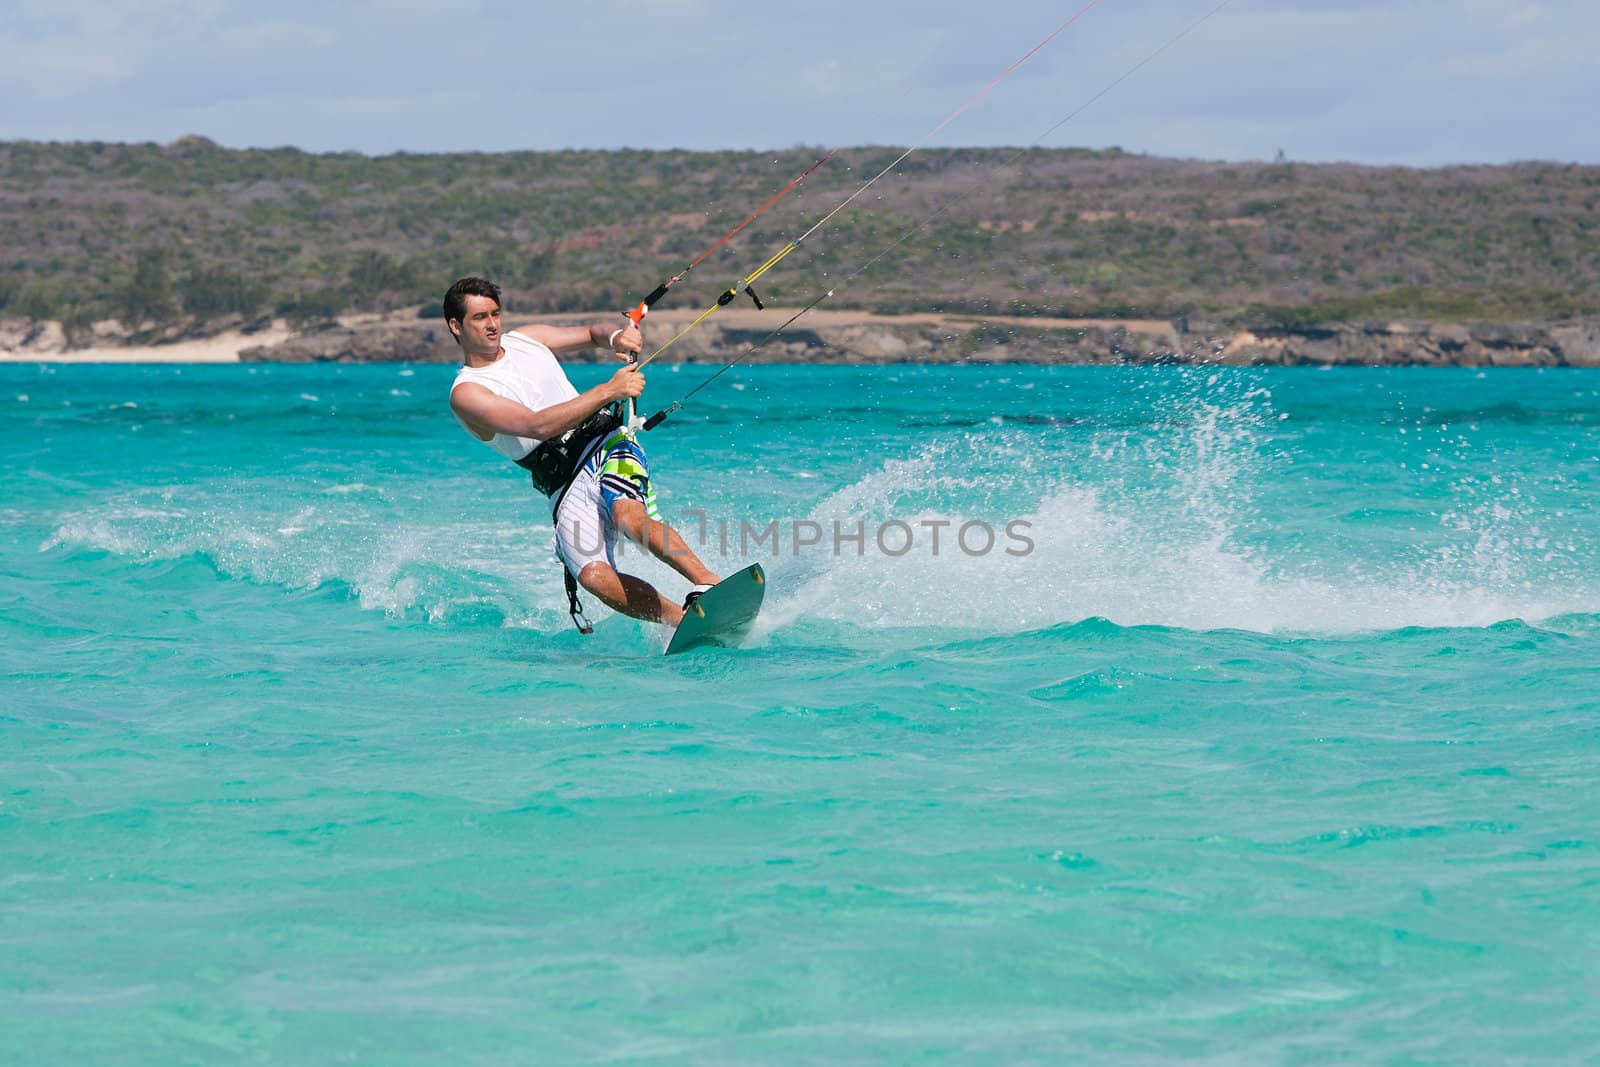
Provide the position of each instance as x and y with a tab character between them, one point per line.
722	614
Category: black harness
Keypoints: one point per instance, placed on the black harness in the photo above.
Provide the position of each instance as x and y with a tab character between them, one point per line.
554	464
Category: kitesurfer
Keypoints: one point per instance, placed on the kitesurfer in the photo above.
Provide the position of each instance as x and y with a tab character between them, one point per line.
512	394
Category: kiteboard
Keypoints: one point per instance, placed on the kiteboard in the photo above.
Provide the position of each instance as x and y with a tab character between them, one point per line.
722	614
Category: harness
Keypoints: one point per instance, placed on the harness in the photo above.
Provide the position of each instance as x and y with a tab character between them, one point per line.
554	464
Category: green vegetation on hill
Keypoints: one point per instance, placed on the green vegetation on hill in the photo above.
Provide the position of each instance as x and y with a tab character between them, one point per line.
194	233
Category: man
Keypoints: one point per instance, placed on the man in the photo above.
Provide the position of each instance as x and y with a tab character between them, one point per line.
512	394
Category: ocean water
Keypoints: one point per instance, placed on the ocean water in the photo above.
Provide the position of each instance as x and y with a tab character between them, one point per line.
1234	716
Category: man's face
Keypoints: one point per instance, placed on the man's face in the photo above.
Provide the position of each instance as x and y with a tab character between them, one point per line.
480	326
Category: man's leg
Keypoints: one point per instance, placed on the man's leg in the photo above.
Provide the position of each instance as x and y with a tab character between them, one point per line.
660	540
626	493
628	595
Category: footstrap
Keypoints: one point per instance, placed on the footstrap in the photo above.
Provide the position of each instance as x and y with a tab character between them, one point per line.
574	605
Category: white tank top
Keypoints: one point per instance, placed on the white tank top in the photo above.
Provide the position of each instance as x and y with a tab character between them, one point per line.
529	374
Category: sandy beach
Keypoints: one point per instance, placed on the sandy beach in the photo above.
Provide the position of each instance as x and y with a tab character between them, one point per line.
30	343
47	344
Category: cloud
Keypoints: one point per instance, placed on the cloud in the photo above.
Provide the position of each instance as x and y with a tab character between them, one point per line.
1424	82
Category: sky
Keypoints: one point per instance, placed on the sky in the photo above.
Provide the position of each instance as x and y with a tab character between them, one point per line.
1409	82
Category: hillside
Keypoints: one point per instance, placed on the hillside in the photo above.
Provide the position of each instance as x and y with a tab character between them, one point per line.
190	237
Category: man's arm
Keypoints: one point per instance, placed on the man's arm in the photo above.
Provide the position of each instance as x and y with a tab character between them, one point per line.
488	414
595	335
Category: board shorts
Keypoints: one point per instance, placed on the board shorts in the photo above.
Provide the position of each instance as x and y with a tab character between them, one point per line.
585	530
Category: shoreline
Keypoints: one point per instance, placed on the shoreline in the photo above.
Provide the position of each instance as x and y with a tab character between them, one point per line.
856	337
48	345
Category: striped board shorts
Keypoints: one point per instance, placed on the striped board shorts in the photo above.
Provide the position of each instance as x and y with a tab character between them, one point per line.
585	532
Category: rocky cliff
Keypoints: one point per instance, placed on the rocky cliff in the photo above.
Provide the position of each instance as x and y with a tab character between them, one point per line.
848	337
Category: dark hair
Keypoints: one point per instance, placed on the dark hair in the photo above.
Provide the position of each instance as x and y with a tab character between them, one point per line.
455	298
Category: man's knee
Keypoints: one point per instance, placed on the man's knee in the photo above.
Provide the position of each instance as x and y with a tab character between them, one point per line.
600	579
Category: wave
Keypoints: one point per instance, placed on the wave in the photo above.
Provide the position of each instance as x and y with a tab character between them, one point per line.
1086	560
1007	527
468	572
1168	531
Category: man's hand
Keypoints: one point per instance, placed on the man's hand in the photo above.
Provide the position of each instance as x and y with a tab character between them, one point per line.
626	384
628	342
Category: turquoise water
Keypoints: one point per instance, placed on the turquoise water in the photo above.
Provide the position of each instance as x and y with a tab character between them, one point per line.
1264	731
